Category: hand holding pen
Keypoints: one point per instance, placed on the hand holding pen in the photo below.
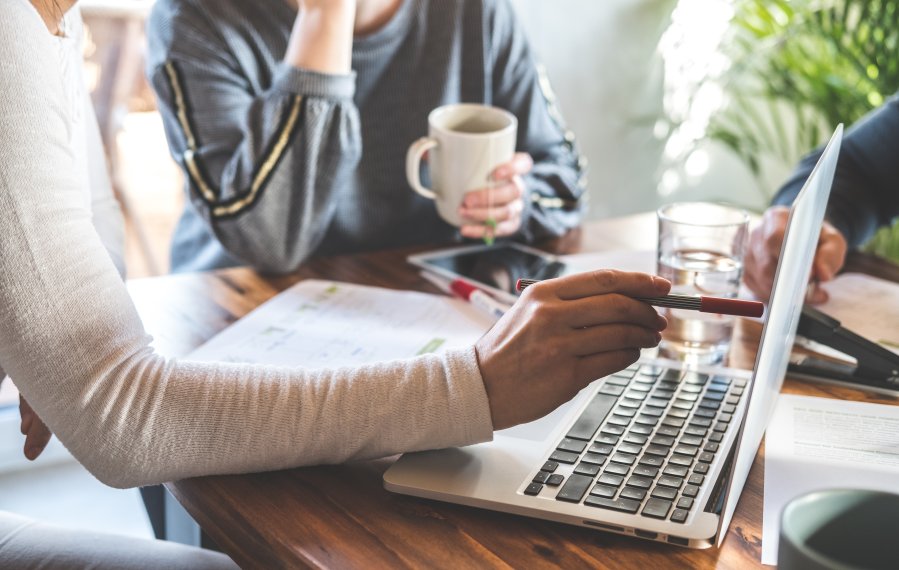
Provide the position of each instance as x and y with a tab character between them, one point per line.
703	304
564	333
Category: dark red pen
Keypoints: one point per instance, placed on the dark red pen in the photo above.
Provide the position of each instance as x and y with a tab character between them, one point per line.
720	305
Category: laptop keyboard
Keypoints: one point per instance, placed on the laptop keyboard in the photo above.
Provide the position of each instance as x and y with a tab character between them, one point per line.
645	443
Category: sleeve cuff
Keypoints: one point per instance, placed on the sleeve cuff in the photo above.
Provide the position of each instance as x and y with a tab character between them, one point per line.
470	407
314	84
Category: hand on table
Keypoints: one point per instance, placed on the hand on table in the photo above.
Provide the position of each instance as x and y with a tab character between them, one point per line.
563	334
497	211
764	250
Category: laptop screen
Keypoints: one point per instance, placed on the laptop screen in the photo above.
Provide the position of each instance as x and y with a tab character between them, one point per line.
784	307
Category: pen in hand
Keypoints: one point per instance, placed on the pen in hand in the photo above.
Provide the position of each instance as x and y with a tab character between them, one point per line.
720	305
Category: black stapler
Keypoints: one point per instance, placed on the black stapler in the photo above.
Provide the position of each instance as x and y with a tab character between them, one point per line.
876	367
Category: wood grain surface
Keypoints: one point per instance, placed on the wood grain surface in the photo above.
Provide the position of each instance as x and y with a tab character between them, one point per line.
341	517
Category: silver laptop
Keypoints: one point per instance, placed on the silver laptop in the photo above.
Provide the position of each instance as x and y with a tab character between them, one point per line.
660	450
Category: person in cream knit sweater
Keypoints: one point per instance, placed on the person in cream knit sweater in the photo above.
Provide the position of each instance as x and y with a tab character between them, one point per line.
71	339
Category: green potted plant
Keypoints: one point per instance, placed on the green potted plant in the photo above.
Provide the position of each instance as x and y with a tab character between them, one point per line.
797	69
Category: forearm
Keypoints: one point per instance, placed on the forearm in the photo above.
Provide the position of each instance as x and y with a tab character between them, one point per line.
322	37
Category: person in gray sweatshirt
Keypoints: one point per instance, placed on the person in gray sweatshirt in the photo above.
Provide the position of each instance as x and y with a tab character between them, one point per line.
291	120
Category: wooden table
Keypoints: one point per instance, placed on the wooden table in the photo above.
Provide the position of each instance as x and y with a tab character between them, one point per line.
341	517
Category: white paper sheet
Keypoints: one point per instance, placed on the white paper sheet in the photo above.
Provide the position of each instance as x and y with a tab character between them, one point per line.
317	324
815	443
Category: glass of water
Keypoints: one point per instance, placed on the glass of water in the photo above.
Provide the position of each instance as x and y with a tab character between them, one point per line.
701	247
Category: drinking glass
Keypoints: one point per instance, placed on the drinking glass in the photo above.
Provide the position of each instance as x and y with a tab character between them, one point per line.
701	248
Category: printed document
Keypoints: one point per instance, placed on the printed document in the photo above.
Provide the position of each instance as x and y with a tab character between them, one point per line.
816	443
317	324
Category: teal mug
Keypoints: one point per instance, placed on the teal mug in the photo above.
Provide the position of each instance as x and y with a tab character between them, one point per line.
842	529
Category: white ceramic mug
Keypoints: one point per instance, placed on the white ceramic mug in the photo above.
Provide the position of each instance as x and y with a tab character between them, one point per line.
465	144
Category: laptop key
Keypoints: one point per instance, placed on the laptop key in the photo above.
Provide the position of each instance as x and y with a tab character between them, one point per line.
603	491
716	437
739	383
635	395
691	440
549	466
574	489
564	457
643	430
691	389
728	409
685	503
704	413
701	468
676	471
625	458
611	430
601	448
671	375
682	404
710	404
664	493
701	422
646	471
706	457
669	481
714	396
621	505
617	420
684	460
533	489
628	403
646	420
679	516
657	403
637	387
587	469
651	371
660	450
717	379
691	490
635	438
662	394
695	378
696	479
631	448
681	414
594	458
611	390
688	396
625	412
617	469
665	440
572	445
592	417
607	438
725	418
711	447
541	477
654	412
616	381
633	493
733	400
555	480
639	482
673	422
610	479
668	430
690	450
696	430
652	460
656	508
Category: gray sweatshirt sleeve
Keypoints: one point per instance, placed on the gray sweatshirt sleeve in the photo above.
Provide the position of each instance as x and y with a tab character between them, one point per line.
864	194
555	197
264	164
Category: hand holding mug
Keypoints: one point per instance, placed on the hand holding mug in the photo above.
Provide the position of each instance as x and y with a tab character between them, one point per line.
471	147
496	211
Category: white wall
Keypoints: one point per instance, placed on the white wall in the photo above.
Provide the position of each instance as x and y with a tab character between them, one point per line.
603	60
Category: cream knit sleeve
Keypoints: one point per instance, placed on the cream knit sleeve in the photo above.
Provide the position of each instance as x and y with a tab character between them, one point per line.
72	341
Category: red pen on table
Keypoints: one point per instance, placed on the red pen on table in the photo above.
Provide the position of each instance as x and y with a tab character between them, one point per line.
720	305
469	292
